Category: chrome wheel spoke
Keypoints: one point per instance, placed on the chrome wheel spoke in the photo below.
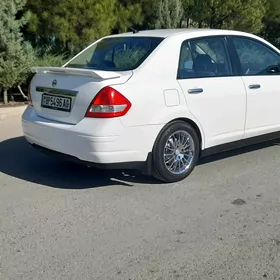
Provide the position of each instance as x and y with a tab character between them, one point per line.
167	156
186	143
173	165
172	143
171	150
186	160
181	164
170	159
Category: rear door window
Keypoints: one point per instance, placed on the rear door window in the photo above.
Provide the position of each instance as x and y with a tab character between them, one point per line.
116	54
204	57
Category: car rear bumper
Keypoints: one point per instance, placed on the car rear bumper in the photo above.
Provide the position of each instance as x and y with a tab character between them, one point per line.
91	141
144	166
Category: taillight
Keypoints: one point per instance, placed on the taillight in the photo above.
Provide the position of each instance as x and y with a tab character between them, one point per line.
108	103
30	103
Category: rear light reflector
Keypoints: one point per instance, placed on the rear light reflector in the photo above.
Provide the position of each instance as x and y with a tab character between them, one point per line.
108	103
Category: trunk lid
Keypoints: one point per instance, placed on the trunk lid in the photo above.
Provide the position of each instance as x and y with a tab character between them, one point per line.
64	94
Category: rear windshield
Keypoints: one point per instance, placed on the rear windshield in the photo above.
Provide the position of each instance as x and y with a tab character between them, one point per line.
116	54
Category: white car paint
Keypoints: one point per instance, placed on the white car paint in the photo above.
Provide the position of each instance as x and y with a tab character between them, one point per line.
221	110
226	111
91	140
262	105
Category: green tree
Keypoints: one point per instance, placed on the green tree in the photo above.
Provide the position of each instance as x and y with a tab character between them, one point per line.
271	22
248	16
73	24
149	9
129	14
238	14
188	13
170	14
16	56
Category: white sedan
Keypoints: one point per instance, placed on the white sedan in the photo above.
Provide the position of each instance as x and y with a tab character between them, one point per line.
156	100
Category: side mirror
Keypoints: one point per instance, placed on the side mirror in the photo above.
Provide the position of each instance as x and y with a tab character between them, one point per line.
273	69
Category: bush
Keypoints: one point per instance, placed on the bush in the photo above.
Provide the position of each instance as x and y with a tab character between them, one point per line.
43	57
48	58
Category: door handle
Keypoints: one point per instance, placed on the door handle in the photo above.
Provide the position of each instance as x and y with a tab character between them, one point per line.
195	90
256	86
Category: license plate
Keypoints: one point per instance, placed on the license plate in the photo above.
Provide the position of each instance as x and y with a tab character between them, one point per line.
56	102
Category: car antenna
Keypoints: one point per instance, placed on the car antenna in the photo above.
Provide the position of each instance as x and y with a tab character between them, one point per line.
133	30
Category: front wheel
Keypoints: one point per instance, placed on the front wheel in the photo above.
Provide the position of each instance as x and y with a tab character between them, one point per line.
175	152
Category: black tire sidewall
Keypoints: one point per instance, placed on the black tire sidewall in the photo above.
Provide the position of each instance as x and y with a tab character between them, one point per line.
158	153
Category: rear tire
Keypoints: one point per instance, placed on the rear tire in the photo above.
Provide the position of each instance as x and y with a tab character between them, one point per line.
176	152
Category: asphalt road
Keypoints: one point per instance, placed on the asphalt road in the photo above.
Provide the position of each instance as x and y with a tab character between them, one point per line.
63	221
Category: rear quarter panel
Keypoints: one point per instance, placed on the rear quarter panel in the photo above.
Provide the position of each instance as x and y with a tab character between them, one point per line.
145	89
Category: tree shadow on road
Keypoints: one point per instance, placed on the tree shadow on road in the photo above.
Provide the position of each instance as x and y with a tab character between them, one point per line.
18	159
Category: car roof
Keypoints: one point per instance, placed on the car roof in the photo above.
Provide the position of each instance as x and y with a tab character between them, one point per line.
164	33
189	33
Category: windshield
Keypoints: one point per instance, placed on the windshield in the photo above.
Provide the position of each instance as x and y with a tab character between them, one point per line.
116	54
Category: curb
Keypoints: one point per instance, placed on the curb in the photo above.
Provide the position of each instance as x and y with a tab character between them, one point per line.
5	113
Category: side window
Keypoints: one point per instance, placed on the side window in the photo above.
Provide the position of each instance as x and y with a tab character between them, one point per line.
186	62
205	57
255	58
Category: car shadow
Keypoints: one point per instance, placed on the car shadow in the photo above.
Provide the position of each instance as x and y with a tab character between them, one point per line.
18	159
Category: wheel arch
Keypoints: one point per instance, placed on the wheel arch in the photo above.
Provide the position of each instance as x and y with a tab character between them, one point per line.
195	126
192	123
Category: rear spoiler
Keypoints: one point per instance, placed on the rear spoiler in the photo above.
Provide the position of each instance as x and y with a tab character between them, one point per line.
98	74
